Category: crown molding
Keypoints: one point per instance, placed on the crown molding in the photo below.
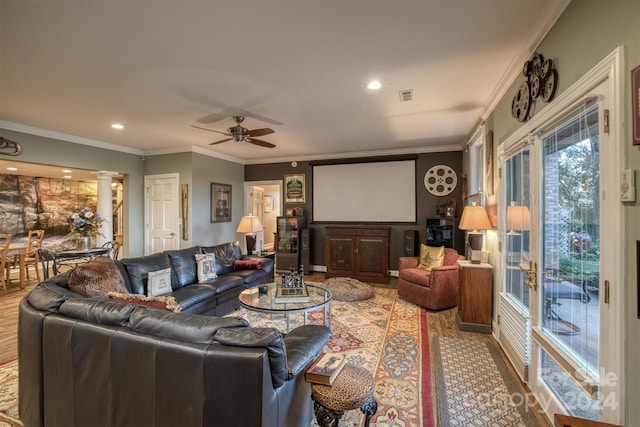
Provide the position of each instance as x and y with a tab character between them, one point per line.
539	30
32	130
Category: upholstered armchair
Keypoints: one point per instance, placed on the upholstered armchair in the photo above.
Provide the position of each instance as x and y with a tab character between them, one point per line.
436	289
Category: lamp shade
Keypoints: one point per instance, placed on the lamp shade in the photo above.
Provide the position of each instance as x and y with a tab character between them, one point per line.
250	224
518	218
474	218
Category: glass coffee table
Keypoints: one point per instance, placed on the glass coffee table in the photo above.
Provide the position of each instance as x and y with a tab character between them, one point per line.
319	297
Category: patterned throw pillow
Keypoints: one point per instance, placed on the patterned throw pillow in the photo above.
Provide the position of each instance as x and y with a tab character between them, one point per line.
95	279
164	303
431	257
206	267
247	264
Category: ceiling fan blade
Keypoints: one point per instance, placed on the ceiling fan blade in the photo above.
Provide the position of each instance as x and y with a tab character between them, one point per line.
213	117
221	141
210	130
260	142
260	132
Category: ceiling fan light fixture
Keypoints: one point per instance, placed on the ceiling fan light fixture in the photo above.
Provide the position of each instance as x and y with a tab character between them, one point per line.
374	85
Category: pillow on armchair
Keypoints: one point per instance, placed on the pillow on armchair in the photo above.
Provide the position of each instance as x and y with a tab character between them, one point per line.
430	257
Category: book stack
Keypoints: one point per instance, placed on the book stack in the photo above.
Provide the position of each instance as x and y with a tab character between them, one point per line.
325	369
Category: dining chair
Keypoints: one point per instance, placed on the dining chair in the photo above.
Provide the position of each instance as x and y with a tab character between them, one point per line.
34	242
48	262
114	247
5	241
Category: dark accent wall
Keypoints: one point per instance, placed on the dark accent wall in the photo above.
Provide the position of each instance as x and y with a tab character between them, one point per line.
425	202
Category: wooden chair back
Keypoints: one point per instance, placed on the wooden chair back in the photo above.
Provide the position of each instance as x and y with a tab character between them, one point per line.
34	242
5	241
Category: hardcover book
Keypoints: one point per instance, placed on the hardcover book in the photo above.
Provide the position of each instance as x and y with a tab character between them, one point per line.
289	295
325	369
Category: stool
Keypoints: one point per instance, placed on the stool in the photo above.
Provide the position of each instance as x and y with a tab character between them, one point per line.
353	388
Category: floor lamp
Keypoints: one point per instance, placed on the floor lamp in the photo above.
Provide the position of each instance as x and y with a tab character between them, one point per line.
475	218
250	225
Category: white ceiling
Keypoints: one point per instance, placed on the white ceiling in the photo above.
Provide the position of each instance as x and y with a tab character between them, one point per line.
299	67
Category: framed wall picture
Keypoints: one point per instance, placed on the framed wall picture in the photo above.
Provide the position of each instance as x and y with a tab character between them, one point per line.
268	204
220	202
294	188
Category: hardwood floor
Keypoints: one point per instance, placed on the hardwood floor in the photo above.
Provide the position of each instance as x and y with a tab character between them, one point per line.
441	323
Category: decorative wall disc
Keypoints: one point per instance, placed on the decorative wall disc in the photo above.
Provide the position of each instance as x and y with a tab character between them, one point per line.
440	180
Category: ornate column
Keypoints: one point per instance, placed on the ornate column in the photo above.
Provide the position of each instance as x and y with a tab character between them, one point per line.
105	206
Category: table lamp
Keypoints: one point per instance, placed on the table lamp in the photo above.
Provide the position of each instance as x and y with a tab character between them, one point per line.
475	218
250	225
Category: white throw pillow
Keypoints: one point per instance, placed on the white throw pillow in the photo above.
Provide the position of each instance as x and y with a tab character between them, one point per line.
159	282
206	267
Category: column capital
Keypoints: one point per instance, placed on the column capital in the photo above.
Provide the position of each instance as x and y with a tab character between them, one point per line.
101	174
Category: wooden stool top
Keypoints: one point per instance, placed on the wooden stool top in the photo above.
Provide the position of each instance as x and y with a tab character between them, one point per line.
352	388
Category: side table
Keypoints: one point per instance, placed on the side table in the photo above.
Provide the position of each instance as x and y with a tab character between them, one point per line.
475	297
353	388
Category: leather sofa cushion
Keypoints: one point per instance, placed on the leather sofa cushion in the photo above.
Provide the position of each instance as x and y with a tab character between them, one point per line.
96	278
103	312
250	276
224	283
183	262
138	268
182	327
226	256
191	295
303	345
268	338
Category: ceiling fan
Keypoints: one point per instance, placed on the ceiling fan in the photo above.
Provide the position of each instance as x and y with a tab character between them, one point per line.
239	134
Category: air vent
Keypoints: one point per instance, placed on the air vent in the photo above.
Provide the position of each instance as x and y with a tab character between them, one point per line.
406	95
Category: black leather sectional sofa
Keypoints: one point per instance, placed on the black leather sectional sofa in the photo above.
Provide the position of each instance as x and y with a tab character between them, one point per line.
98	362
216	297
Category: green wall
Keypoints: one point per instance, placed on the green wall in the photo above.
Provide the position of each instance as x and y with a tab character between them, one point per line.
587	32
198	171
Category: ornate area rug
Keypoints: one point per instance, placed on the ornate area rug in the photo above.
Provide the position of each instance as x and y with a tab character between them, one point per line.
9	393
470	392
387	336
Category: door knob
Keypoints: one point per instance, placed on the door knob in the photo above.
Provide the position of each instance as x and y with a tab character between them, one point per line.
532	272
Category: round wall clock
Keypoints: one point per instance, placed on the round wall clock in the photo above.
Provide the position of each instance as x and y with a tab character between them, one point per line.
440	180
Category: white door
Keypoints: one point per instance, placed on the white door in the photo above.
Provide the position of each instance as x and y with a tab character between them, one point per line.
162	207
559	258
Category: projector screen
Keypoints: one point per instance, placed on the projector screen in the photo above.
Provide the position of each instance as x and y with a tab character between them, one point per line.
365	192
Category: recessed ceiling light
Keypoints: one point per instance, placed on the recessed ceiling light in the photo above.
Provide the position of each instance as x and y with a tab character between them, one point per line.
374	84
12	169
67	177
66	171
117	126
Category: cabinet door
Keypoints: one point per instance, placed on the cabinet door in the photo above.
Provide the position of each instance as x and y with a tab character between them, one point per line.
371	256
341	255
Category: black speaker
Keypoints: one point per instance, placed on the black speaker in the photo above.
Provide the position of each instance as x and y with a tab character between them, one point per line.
305	249
411	243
